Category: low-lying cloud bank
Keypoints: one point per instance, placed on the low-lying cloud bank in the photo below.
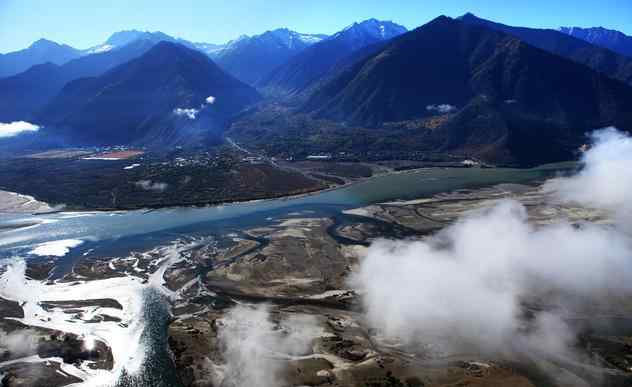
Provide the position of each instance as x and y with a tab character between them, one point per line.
254	346
469	283
605	180
17	127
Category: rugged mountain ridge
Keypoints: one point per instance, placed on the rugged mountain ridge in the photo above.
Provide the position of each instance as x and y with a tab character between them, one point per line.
603	37
493	95
598	58
251	58
41	51
313	63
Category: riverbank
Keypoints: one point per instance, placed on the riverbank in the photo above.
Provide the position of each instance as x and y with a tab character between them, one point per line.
564	166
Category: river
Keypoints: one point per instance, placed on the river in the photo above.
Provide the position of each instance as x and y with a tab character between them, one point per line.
111	234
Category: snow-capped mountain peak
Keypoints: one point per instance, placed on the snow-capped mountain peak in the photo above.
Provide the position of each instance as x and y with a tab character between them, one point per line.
371	29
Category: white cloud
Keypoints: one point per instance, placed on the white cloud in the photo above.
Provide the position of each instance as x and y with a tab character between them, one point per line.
469	282
189	113
253	346
606	178
14	128
149	185
442	108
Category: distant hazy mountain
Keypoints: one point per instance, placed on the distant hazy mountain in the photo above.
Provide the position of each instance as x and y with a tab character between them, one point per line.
42	51
251	58
315	61
599	36
168	95
606	61
210	49
123	38
25	93
493	95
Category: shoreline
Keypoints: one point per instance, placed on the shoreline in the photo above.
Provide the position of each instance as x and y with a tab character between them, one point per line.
147	209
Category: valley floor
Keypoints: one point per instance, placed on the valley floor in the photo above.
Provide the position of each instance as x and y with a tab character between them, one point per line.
297	268
80	179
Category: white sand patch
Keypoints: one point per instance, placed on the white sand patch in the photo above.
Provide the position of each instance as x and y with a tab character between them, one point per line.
364	211
55	248
328	294
11	202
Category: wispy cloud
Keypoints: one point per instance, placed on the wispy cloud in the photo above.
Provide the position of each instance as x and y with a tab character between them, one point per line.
441	108
149	185
189	113
14	128
253	345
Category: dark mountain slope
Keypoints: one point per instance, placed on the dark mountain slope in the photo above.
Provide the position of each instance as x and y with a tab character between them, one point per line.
40	52
598	58
136	102
23	93
316	61
497	96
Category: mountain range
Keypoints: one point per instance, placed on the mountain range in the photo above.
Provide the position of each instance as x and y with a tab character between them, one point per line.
596	57
313	63
500	96
253	58
469	87
163	97
26	93
41	51
599	36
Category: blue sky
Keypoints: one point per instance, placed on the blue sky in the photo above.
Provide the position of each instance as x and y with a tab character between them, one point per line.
84	23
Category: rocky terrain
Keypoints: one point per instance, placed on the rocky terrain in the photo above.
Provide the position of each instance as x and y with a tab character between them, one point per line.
300	270
284	291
